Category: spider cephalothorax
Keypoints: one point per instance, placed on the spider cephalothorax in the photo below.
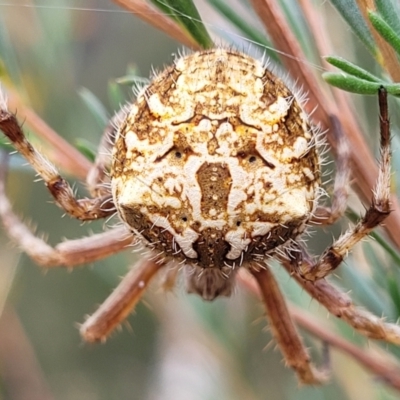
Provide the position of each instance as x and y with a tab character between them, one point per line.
215	165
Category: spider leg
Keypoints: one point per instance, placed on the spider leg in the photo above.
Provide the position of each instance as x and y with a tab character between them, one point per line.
83	209
69	253
284	331
341	305
97	180
377	212
328	215
121	301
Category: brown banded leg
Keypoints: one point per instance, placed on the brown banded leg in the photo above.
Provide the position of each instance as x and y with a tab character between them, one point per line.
377	212
97	180
83	209
283	329
69	253
121	301
340	304
328	215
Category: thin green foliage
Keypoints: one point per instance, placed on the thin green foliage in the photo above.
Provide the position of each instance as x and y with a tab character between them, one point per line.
86	148
185	13
349	10
365	289
245	28
360	86
132	76
356	79
116	96
95	107
390	13
352	69
385	30
393	290
386	279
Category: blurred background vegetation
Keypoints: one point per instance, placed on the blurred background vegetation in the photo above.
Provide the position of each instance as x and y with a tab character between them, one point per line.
177	346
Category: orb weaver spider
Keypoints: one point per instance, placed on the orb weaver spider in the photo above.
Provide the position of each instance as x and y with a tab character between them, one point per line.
215	168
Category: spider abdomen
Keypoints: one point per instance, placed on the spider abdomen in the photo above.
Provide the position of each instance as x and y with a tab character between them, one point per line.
215	165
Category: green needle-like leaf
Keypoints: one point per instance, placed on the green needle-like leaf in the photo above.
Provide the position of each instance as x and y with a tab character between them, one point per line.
116	97
130	80
390	13
366	290
245	28
350	12
360	86
95	106
385	275
385	245
185	13
86	148
394	292
385	30
352	69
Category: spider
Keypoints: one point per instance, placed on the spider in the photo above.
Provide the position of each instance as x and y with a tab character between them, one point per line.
215	169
